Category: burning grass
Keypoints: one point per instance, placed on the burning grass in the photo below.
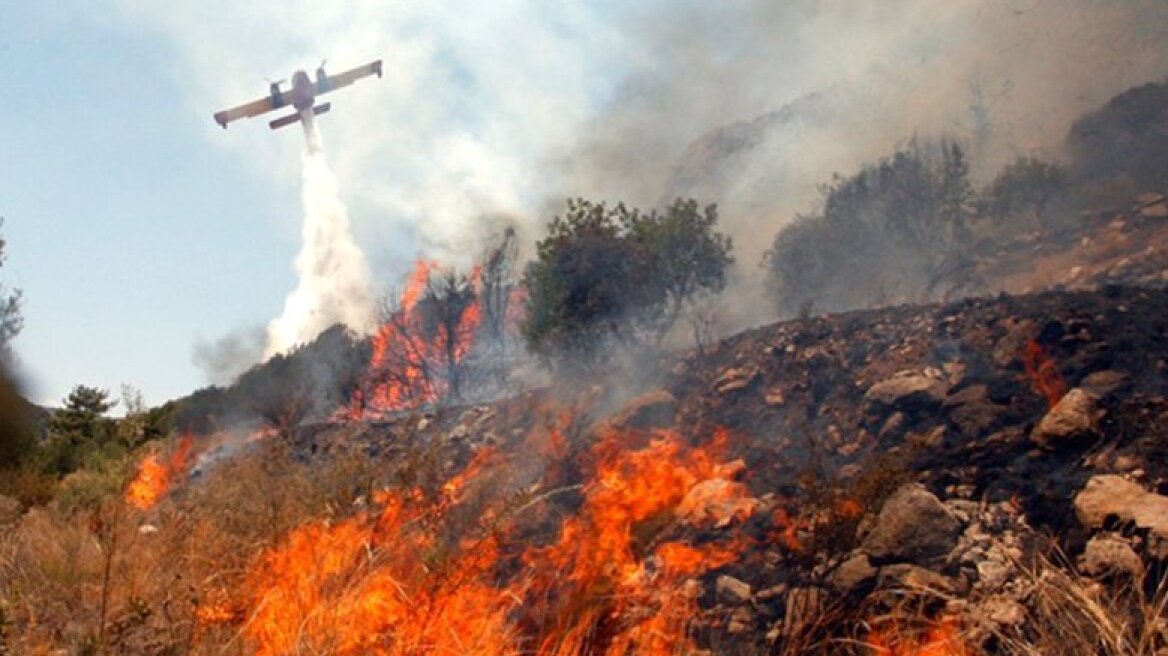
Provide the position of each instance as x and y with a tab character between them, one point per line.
574	543
155	475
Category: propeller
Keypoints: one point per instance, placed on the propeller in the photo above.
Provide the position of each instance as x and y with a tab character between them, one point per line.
277	82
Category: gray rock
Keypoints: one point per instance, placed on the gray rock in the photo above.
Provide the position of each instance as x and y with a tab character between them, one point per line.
1107	496
913	526
741	620
913	577
1109	555
1075	417
892	428
972	410
732	591
735	379
1002	611
1106	383
1157	211
853	573
907	392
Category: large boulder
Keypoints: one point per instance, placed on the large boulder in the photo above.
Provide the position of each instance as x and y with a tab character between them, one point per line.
913	526
1074	418
972	411
908	392
1109	498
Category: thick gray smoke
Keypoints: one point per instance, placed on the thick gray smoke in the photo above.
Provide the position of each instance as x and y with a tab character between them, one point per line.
753	105
225	358
334	277
507	108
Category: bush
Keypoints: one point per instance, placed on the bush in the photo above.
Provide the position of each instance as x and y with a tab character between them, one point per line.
616	277
895	231
1028	186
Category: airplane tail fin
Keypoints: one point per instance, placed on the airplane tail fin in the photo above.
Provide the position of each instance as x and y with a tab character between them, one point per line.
294	117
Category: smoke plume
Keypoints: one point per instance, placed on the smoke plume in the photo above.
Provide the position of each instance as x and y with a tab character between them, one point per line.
334	277
508	108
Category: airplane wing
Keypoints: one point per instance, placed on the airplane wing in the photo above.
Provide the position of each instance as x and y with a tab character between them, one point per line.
253	108
340	80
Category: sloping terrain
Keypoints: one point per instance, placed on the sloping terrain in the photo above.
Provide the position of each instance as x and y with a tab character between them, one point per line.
983	421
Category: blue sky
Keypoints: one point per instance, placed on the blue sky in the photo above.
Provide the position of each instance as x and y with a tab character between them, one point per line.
137	228
130	233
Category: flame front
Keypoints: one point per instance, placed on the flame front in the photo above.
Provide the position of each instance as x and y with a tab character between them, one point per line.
411	579
155	477
406	359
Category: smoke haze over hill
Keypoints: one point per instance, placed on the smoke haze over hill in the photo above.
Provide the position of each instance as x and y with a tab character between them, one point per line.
499	109
508	109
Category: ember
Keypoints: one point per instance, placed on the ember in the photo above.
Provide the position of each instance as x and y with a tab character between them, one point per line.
943	638
1043	373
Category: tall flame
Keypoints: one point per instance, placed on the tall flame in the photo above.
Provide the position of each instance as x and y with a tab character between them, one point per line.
379	584
155	476
612	584
405	580
408	356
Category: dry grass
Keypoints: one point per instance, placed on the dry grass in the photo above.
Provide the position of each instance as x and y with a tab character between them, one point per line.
1078	616
91	575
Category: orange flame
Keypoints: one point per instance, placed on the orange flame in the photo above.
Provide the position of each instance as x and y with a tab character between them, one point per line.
376	585
618	586
1043	373
612	583
405	360
155	477
942	638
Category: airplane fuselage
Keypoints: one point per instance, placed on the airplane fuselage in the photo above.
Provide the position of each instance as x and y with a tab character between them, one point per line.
302	96
303	91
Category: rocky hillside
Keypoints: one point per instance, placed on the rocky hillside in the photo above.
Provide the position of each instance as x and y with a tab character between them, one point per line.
943	450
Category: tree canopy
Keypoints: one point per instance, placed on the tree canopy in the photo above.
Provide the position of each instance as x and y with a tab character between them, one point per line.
894	231
614	276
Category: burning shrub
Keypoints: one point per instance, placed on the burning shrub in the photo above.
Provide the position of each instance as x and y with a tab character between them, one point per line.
421	352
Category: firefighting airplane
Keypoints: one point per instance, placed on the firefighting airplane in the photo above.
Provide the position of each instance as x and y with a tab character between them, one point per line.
302	96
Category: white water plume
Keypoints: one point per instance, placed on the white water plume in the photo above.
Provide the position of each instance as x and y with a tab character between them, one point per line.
334	276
